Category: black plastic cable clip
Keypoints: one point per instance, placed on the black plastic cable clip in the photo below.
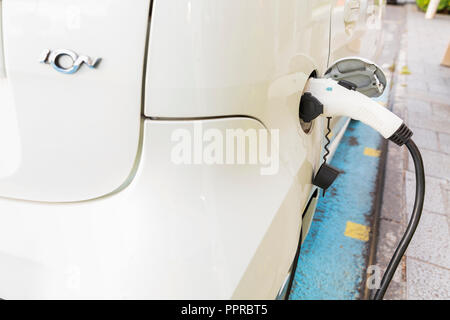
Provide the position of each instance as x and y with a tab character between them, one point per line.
325	176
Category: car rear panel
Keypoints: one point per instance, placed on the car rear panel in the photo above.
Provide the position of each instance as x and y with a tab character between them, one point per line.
70	137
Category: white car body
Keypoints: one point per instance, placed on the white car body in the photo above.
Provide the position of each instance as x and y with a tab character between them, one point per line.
91	205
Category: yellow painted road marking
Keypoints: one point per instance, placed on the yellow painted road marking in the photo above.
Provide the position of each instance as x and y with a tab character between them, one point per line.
371	152
357	231
382	103
405	70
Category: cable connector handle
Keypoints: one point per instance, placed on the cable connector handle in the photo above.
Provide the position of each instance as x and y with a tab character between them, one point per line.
337	101
402	135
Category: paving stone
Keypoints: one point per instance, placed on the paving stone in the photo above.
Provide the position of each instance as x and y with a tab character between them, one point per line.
437	79
414	86
422	98
447	80
394	181
389	233
436	194
418	106
424	101
392	208
431	242
431	122
431	97
444	142
426	281
396	289
415	66
436	164
440	110
439	88
424	64
431	67
425	138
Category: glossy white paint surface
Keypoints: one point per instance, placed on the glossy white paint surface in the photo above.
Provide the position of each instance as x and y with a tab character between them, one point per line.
2	65
209	58
248	58
177	231
355	29
70	137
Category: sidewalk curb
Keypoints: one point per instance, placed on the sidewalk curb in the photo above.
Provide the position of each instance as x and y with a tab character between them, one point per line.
395	90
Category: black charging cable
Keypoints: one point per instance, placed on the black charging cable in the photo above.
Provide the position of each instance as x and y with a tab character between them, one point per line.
401	137
413	222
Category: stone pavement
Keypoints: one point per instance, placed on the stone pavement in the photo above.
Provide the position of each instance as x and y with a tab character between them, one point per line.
421	96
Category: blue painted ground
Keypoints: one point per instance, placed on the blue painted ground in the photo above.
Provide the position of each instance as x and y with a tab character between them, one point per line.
331	264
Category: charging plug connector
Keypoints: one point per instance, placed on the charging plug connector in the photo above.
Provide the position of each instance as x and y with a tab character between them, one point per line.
341	100
337	100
